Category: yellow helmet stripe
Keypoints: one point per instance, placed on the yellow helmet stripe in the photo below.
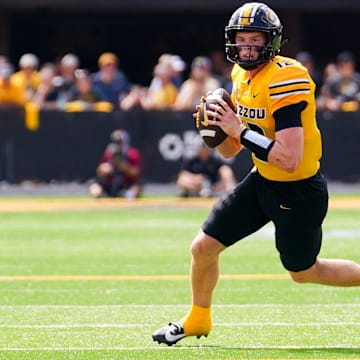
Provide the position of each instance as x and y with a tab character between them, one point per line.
247	13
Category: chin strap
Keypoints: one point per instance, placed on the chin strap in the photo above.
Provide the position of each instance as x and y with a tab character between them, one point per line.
283	42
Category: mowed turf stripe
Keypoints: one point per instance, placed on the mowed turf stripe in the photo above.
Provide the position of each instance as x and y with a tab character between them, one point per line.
11	278
180	306
26	205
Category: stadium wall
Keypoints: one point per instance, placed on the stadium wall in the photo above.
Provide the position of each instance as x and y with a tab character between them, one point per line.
68	146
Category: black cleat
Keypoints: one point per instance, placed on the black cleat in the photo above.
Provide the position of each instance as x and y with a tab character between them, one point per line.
169	334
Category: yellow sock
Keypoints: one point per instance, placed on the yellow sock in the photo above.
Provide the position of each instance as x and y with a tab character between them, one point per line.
197	321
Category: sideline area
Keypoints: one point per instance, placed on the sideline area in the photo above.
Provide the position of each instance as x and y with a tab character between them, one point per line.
81	204
84	204
61	189
73	196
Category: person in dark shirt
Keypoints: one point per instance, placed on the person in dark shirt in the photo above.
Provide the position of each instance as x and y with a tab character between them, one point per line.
342	91
110	80
84	95
65	79
204	174
308	61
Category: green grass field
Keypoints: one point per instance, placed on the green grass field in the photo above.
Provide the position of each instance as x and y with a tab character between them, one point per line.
95	284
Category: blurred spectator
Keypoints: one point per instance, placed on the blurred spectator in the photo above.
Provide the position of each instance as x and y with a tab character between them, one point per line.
199	83
69	63
164	95
83	95
204	175
46	95
221	69
28	76
111	81
4	61
342	91
119	171
11	93
307	61
133	98
330	72
177	66
65	80
159	97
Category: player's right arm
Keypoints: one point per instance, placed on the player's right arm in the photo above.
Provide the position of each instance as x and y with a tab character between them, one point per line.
229	147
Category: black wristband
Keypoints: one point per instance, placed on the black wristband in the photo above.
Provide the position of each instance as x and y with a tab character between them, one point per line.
259	144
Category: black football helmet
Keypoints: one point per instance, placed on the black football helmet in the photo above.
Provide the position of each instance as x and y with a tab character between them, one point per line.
254	16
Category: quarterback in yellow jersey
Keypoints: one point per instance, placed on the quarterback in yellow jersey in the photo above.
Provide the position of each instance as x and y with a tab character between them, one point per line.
287	82
275	120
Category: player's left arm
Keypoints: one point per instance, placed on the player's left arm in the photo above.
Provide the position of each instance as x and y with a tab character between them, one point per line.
287	150
290	92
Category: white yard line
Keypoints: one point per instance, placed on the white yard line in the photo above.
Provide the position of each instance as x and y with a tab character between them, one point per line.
180	348
115	326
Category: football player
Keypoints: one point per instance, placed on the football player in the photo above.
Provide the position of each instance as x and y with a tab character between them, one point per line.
275	120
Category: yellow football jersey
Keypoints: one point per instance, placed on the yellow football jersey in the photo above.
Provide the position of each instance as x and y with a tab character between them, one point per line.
282	82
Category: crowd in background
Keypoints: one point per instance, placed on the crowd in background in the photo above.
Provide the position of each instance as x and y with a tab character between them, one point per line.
65	85
338	85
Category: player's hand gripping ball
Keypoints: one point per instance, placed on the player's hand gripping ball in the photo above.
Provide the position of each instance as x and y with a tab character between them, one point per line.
212	135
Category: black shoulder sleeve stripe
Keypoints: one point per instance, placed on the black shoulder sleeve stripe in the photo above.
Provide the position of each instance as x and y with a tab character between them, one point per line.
289	116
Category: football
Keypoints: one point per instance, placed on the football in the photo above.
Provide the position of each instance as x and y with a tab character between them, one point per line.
211	134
